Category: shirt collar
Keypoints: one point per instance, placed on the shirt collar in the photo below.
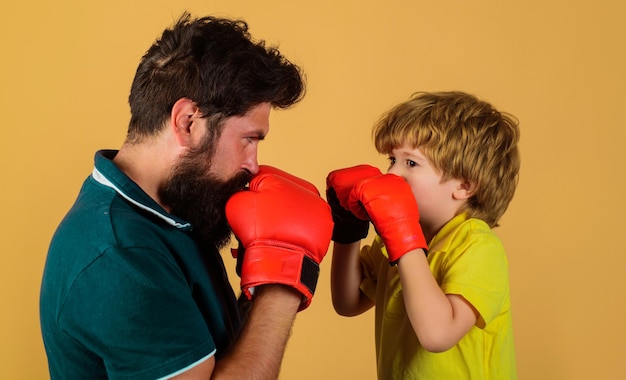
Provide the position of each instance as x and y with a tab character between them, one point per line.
443	238
106	173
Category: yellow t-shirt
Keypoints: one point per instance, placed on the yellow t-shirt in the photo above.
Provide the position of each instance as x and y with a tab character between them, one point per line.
468	259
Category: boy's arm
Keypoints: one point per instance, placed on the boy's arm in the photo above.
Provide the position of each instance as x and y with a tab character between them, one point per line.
439	320
345	281
349	228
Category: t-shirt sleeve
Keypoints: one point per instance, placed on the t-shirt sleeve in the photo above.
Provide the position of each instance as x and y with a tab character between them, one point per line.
135	310
371	260
478	271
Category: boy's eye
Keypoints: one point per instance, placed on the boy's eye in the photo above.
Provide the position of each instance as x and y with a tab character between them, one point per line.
392	160
411	163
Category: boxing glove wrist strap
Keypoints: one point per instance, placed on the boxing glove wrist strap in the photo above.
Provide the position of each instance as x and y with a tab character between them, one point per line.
276	262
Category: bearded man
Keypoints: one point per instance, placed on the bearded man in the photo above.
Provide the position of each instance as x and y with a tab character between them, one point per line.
134	284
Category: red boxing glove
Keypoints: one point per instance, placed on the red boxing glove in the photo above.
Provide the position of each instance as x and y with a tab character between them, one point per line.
266	169
285	229
343	180
391	206
239	252
349	227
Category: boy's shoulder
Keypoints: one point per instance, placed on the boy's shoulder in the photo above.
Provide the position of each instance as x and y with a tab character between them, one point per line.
461	231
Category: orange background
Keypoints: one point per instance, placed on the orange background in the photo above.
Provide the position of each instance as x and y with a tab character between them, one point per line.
65	74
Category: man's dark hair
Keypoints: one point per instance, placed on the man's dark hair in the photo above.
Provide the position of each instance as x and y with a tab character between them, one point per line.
215	63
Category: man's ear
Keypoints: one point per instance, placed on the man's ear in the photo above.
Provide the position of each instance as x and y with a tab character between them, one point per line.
464	190
184	112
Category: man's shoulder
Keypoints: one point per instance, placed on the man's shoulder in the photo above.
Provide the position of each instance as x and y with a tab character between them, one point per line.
100	220
103	227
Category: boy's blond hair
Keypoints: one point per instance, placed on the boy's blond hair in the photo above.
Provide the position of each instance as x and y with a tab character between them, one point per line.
465	138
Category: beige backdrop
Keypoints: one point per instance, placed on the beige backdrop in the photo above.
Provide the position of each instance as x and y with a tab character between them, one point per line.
65	73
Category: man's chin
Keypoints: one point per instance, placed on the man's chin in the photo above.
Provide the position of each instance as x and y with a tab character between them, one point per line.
202	200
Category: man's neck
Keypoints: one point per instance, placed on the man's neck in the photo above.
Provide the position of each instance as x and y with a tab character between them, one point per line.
146	164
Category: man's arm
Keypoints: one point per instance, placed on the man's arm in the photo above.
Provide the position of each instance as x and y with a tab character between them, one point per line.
284	227
258	353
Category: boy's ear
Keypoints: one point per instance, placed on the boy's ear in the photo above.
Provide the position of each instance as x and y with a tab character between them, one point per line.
184	112
464	190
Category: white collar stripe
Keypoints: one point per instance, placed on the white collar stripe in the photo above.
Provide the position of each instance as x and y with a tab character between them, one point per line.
99	177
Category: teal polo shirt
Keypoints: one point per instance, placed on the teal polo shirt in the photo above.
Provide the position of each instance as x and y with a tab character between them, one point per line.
127	292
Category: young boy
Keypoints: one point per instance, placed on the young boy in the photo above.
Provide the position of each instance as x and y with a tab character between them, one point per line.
437	275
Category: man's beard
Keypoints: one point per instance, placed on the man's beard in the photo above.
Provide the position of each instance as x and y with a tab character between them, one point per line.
197	196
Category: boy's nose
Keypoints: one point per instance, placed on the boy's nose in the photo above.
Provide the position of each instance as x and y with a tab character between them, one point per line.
395	169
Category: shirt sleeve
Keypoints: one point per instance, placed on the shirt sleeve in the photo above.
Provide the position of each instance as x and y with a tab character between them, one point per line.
134	309
371	260
478	271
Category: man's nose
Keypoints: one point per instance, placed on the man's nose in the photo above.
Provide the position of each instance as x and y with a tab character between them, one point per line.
251	165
